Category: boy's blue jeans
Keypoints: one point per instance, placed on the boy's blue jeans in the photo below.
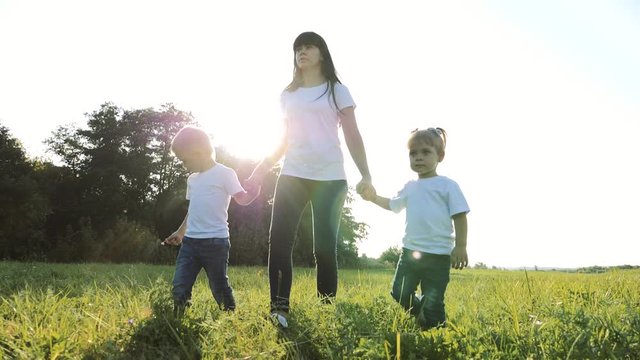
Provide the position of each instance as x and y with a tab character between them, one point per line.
431	272
211	254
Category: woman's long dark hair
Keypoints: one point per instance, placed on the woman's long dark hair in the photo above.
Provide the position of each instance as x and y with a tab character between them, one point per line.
327	68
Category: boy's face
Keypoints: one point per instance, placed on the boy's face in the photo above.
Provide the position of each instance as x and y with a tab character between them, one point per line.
424	159
193	160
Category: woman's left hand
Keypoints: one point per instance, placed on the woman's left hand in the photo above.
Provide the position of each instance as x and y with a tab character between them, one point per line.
363	186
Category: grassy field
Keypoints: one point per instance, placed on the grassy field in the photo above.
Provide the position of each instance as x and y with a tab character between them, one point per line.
98	311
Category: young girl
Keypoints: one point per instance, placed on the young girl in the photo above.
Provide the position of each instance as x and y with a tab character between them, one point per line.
435	207
315	105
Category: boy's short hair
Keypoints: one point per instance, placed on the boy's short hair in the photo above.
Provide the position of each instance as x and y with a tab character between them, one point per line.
192	138
435	137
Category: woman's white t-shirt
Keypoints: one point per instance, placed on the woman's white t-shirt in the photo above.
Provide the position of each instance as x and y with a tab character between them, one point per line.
312	121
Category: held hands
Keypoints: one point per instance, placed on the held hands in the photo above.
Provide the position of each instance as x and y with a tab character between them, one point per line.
459	258
257	175
251	193
366	190
369	194
174	239
253	185
252	188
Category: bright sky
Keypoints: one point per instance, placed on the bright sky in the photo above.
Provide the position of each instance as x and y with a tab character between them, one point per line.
541	99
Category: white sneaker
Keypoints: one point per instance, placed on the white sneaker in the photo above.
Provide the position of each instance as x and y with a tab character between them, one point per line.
280	318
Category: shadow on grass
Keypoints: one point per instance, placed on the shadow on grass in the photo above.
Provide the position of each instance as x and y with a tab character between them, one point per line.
165	337
349	330
162	336
330	332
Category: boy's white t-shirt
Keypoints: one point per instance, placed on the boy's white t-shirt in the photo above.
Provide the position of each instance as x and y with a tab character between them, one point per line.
209	194
430	203
311	119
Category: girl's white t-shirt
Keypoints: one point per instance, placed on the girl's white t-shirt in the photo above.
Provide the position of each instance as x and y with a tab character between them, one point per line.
430	203
311	122
209	194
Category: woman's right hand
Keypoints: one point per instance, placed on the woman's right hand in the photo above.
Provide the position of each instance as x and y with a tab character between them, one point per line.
252	186
255	180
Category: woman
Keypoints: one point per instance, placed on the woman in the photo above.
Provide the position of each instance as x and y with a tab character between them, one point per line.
315	105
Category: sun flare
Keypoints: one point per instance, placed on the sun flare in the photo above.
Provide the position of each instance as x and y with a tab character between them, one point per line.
245	139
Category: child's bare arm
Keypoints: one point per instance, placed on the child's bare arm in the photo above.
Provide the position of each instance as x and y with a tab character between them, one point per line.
369	194
176	237
459	258
383	202
246	197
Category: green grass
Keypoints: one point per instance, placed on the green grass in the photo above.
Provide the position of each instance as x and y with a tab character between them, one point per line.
98	311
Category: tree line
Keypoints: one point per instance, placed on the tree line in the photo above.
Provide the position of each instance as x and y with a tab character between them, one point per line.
116	190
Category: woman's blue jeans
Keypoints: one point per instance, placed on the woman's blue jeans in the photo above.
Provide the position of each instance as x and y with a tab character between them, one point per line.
431	273
291	197
211	254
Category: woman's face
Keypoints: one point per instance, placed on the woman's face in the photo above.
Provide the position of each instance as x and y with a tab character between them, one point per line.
308	56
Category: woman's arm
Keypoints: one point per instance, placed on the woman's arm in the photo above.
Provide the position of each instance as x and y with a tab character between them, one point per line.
356	146
265	165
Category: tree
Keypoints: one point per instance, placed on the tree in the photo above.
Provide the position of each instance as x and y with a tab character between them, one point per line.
391	255
118	189
23	209
67	144
123	161
480	265
352	232
120	169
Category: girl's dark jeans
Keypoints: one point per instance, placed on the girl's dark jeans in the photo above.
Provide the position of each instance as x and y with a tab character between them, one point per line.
291	196
211	254
431	273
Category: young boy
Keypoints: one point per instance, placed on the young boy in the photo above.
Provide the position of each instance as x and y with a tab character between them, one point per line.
434	207
204	233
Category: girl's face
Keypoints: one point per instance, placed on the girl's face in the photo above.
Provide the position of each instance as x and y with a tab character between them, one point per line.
424	159
308	56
